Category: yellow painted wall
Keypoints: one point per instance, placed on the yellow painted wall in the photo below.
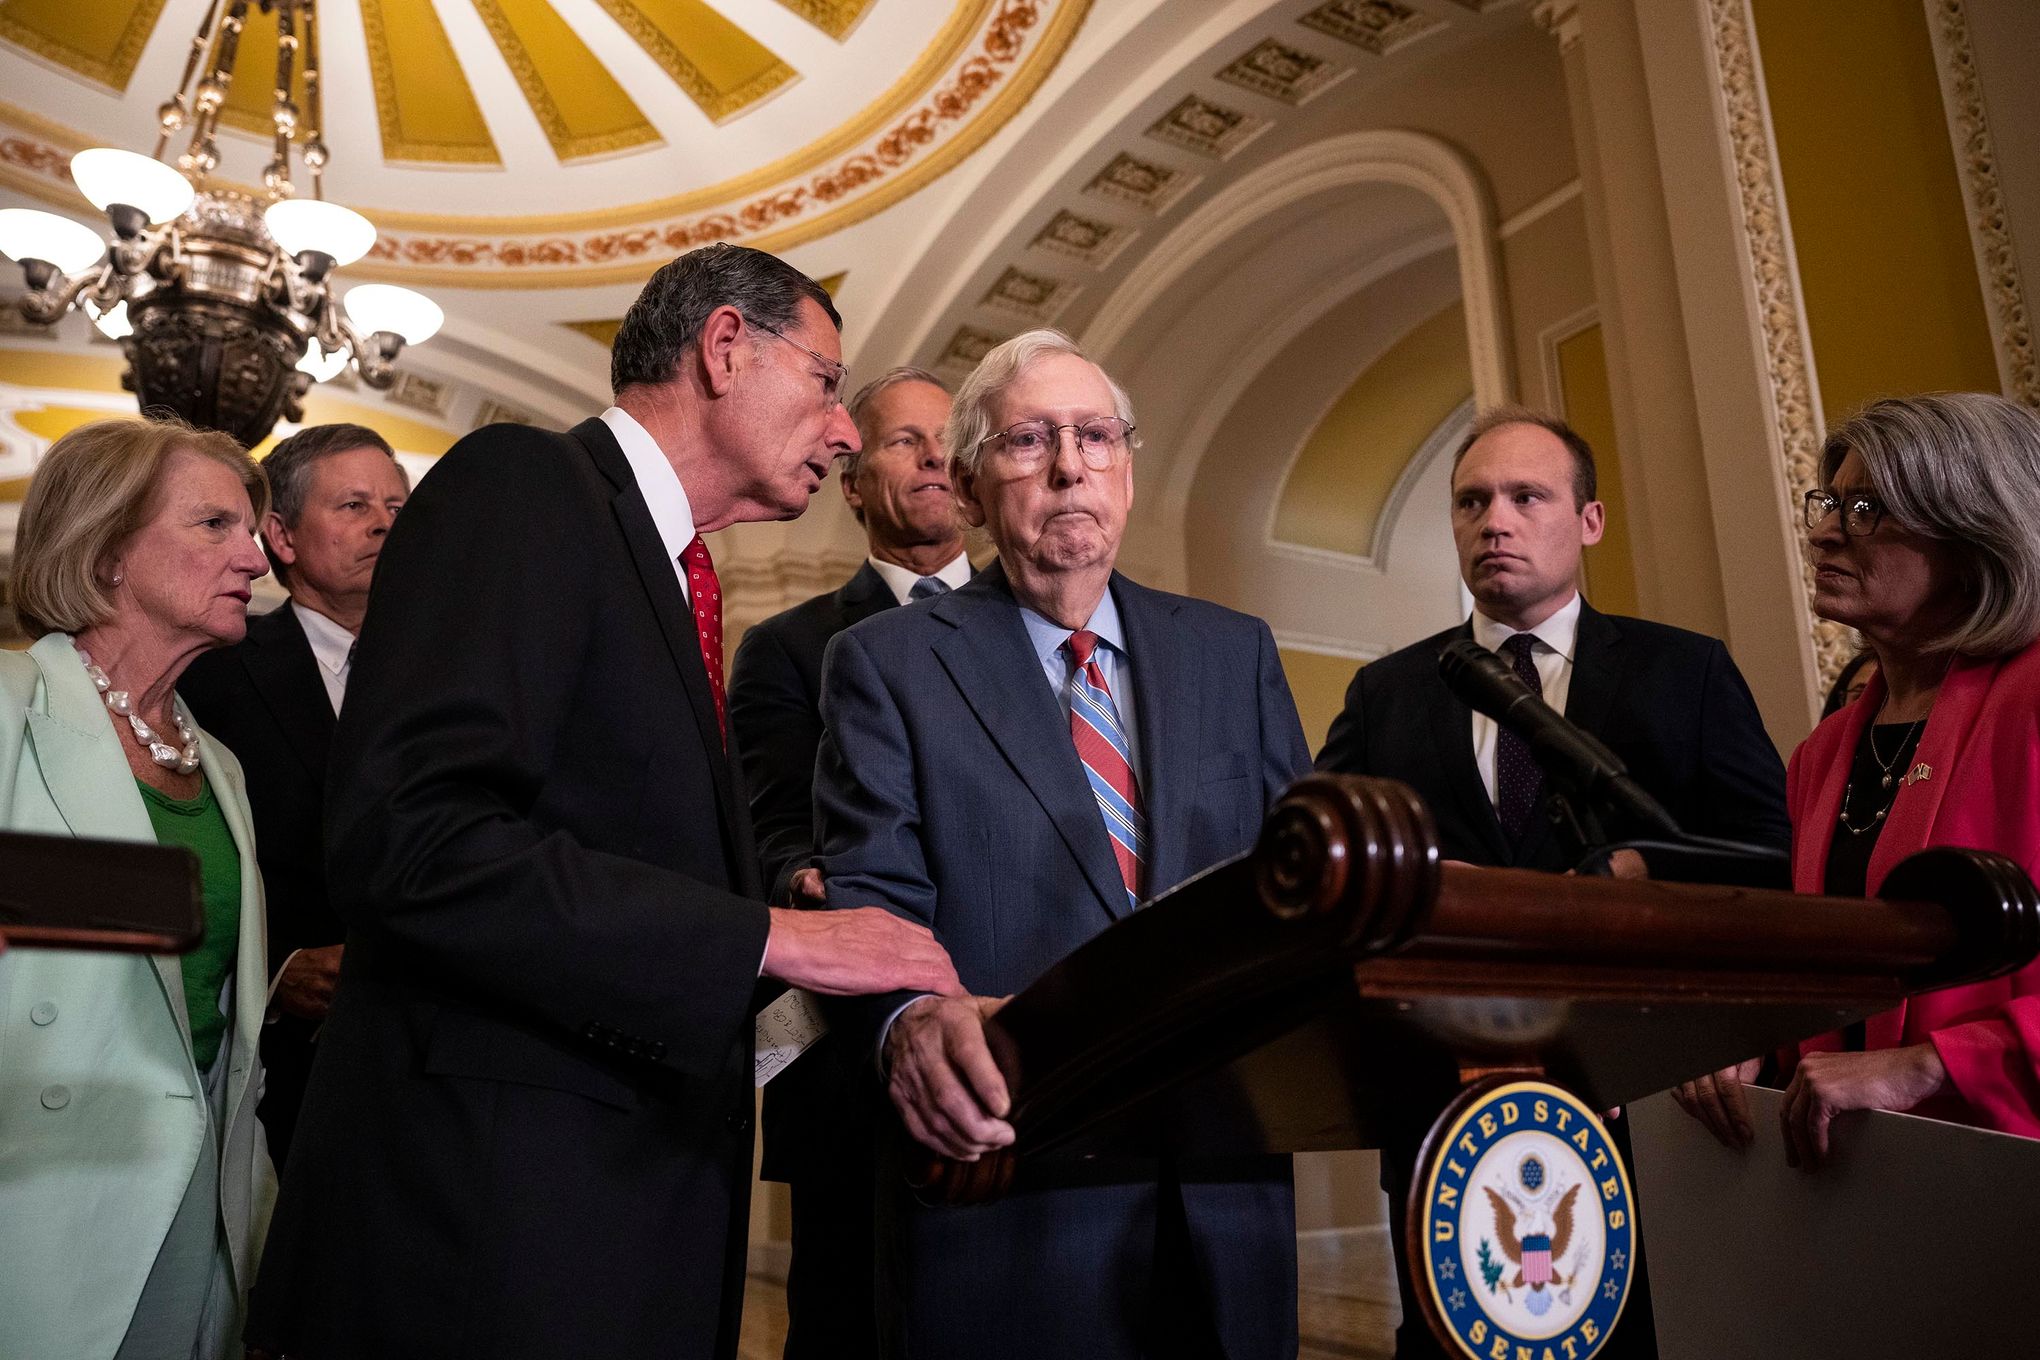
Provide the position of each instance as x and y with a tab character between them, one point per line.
1319	684
1588	408
44	369
1885	261
1342	477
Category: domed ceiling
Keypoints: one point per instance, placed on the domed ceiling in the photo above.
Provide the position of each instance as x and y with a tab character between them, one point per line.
644	127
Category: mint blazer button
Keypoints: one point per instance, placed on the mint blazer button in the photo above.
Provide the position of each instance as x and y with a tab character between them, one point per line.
56	1097
43	1012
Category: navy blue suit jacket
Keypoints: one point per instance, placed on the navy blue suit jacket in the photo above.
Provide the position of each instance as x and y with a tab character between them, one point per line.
948	790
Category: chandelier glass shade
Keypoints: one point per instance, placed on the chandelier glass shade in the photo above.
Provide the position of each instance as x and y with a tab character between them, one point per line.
223	301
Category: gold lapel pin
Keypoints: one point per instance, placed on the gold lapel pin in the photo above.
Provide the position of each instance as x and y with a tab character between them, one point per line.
1919	774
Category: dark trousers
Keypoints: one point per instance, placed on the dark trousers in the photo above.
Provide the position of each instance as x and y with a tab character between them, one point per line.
832	1281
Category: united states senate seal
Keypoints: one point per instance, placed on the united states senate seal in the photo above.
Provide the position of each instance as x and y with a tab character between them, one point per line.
1523	1230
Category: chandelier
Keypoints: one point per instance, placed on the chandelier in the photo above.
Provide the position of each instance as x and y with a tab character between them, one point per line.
223	305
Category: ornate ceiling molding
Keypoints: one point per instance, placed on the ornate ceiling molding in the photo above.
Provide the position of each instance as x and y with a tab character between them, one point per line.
972	78
1997	261
1779	311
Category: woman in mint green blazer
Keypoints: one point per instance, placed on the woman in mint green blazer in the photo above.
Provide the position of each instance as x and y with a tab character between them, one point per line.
134	1186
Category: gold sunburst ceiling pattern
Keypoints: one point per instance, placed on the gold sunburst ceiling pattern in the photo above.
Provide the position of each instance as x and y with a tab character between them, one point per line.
426	104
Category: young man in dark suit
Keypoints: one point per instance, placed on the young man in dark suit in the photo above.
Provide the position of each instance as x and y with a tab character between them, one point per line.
818	1111
1018	764
334	490
528	1133
1670	703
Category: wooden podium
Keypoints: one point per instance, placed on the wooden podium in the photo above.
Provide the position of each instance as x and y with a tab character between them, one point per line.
1338	987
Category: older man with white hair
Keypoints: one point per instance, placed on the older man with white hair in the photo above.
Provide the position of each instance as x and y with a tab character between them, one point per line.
1017	764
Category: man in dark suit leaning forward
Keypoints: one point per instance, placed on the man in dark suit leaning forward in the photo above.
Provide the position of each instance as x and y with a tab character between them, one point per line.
1669	702
1018	764
817	1112
528	1133
272	697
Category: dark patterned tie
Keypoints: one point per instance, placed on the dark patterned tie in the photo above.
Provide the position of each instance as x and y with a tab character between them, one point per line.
927	588
1517	776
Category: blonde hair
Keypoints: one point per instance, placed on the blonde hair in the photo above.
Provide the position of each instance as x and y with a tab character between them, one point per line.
92	491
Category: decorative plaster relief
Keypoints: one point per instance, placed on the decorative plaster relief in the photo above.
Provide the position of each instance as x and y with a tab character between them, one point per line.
420	393
1377	26
1282	72
1196	124
1085	239
1031	297
965	349
496	413
1780	316
1144	184
1983	197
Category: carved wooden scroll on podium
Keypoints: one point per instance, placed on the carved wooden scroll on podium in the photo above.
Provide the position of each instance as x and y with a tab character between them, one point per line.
1339	982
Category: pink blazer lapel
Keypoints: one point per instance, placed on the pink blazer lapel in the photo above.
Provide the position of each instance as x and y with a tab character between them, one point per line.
1814	836
1910	827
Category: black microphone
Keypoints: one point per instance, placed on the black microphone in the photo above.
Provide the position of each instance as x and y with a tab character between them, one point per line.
1574	760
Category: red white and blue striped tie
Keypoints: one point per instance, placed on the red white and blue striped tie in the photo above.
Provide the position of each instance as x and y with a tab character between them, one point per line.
1102	747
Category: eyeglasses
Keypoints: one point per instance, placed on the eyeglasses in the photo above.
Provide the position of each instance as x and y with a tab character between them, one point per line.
1029	445
835	376
1861	513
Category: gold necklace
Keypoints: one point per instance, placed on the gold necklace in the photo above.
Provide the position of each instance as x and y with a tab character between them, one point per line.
1849	789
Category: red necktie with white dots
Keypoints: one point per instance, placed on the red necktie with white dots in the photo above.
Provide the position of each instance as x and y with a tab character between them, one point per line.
705	592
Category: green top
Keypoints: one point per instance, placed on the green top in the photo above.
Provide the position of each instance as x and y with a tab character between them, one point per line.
198	825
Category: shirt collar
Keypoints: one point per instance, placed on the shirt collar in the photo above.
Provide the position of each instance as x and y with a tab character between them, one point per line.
1559	632
330	642
900	581
1048	636
656	480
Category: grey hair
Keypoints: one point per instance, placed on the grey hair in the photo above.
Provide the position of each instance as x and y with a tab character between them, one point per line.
970	419
867	394
677	301
1963	468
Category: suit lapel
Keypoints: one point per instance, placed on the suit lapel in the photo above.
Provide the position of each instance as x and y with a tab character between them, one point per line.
252	950
863	595
79	757
1452	731
993	665
659	576
279	660
1166	697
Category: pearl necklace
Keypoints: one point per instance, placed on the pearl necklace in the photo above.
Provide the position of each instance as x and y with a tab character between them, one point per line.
160	751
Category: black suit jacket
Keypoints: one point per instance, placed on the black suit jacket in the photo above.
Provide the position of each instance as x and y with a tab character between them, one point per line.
1671	703
775	700
948	790
528	1130
264	698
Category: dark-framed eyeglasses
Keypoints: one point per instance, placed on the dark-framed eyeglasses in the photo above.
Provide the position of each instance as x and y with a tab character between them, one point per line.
1029	445
835	376
1861	512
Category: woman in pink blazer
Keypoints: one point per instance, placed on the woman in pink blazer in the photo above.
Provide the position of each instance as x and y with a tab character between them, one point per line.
1925	538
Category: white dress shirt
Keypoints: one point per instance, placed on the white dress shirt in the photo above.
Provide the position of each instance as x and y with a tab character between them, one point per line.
332	648
1552	654
659	485
901	581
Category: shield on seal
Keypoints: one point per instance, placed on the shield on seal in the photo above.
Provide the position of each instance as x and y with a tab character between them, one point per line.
1537	1260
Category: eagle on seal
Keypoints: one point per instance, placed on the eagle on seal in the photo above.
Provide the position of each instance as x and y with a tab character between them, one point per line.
1532	1253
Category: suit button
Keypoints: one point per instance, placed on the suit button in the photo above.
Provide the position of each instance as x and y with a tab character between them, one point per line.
740	1122
658	1051
56	1097
43	1012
